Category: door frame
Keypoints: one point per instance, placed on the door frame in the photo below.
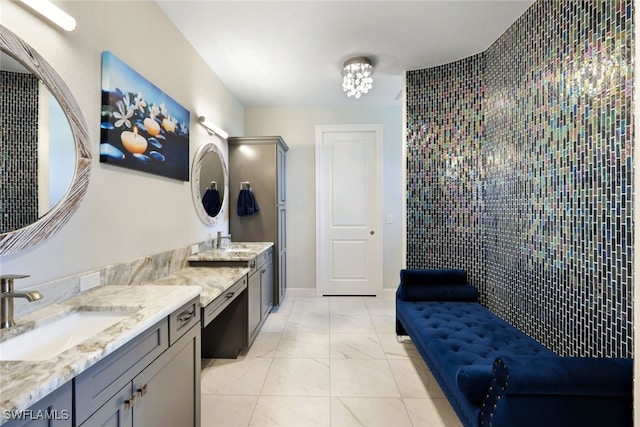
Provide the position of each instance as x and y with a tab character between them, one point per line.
320	261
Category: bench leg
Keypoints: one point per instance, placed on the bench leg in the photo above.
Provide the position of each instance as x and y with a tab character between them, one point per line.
399	328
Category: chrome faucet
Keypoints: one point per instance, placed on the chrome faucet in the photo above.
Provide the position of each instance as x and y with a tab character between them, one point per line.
219	239
7	295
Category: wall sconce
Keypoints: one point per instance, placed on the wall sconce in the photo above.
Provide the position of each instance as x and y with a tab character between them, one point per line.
212	128
53	13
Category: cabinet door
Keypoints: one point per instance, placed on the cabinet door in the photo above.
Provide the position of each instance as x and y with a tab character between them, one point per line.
280	276
53	410
254	306
281	171
168	390
266	285
116	412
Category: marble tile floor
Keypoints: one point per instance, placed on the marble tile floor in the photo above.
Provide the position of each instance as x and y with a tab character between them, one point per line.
331	361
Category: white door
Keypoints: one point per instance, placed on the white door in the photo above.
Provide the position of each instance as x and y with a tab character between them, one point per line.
349	209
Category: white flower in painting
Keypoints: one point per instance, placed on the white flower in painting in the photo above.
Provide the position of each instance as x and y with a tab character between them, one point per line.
122	115
153	111
126	101
139	103
163	110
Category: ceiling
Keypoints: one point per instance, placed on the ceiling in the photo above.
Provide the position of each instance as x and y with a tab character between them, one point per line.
290	53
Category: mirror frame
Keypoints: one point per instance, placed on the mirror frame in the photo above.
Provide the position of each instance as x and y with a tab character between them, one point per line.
14	241
198	159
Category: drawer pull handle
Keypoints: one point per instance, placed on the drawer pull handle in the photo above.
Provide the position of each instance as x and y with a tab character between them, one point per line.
130	402
142	391
186	316
230	295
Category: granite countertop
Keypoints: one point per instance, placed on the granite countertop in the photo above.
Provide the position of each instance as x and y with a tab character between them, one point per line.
237	251
23	383
213	281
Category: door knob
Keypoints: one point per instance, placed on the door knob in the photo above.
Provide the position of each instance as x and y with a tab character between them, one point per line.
372	232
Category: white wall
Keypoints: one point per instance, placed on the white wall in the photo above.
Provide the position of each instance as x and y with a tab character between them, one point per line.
126	214
297	128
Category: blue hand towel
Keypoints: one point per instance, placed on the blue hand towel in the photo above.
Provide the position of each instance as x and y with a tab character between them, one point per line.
211	202
253	203
247	204
243	200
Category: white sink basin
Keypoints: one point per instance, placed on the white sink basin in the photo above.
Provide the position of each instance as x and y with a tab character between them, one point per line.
52	338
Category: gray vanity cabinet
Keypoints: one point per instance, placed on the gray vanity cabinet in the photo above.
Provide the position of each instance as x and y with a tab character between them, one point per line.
261	161
169	389
266	288
224	323
254	305
54	410
152	381
163	394
259	302
260	292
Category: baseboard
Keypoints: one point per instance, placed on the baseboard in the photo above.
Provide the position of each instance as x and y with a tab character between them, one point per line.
301	292
387	294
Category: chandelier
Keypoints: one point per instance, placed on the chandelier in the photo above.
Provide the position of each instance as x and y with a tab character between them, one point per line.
356	78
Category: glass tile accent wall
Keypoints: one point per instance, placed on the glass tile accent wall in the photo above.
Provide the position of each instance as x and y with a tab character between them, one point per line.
444	159
18	150
537	204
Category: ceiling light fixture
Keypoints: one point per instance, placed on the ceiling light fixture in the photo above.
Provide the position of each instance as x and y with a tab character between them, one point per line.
212	128
356	78
53	13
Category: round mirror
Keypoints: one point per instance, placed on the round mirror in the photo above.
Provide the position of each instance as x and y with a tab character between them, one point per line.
209	183
45	160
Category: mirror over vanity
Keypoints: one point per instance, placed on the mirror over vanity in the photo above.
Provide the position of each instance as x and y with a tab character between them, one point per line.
45	156
209	183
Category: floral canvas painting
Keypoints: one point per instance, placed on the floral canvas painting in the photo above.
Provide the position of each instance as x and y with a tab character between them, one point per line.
141	127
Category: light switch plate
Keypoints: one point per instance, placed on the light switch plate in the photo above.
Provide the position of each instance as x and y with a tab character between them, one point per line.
89	281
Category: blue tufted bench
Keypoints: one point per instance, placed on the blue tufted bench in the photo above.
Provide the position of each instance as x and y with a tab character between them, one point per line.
495	375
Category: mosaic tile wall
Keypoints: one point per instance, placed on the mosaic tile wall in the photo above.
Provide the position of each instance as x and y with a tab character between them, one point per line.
443	165
18	150
550	193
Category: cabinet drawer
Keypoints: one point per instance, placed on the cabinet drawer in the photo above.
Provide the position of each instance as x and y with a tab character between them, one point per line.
99	383
183	319
263	258
215	307
253	265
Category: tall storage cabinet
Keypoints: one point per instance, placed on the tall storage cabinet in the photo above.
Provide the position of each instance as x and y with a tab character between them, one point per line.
260	161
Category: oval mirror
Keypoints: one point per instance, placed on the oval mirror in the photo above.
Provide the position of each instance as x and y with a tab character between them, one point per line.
38	153
46	161
209	183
